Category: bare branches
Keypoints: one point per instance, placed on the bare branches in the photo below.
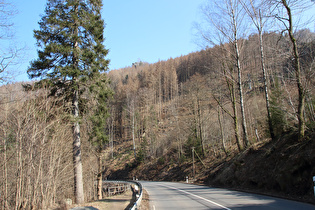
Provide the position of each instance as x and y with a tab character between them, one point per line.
287	18
8	58
7	53
298	12
37	155
7	12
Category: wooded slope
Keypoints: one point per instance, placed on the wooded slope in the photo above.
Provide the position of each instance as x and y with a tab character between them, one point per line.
159	112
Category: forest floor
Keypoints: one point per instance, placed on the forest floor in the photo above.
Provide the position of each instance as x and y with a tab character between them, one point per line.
282	168
115	202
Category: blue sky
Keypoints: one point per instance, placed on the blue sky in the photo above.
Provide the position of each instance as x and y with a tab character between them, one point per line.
146	30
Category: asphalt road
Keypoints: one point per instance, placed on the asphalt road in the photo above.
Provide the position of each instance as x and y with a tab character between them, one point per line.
169	195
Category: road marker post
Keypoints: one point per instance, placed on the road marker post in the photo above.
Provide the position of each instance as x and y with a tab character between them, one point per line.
314	184
193	158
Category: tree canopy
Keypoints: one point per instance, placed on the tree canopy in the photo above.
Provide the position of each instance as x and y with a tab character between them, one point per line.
71	56
70	41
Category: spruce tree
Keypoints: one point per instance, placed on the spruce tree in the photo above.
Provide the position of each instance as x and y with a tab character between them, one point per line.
71	55
99	114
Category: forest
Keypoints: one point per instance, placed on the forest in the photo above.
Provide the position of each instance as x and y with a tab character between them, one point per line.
188	101
217	103
181	98
158	108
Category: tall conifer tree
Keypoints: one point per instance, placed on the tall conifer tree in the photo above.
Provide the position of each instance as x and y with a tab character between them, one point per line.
71	55
98	136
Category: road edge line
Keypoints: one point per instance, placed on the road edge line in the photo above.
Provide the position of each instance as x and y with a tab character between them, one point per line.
210	201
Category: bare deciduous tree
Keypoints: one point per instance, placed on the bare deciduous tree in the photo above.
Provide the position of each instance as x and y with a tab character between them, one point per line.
197	87
285	12
259	11
227	18
36	158
8	54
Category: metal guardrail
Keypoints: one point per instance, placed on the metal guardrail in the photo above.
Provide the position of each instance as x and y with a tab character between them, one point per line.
138	190
139	194
113	188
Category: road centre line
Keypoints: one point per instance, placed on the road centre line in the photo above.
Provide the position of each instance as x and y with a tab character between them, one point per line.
197	196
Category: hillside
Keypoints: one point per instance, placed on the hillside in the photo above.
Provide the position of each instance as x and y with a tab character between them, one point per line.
161	111
283	168
159	114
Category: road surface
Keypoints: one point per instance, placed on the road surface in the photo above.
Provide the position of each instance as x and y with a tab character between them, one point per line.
169	195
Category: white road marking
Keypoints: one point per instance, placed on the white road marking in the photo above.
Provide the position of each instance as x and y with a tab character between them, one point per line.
197	196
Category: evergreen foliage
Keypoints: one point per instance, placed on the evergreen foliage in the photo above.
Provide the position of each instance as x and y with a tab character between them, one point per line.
193	142
71	56
278	115
98	136
70	42
141	154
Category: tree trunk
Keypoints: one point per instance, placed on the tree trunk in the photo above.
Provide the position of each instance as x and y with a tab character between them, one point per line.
222	132
99	177
240	86
200	127
5	167
112	133
239	72
265	79
231	87
5	174
133	129
297	67
19	169
77	163
235	120
234	116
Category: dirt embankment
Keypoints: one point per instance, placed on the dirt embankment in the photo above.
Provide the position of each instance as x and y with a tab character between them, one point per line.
283	168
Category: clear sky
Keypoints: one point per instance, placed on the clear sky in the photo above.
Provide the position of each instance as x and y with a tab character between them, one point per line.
146	30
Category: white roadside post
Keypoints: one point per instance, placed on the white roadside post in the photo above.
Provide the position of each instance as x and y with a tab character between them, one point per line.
314	184
187	179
